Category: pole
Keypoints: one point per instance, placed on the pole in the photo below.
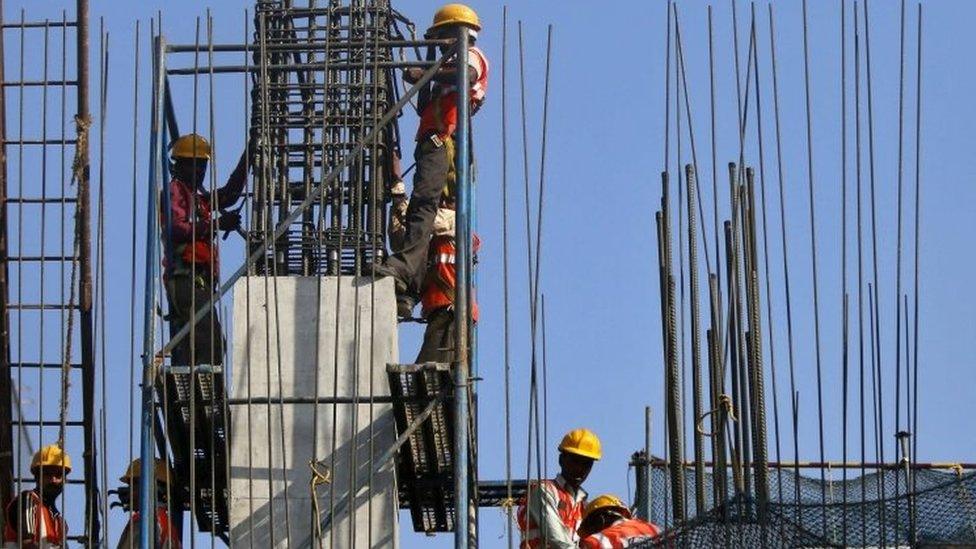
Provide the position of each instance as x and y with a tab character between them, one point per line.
146	481
648	480
83	227
461	308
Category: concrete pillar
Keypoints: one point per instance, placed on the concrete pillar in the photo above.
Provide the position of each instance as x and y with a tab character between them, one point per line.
286	347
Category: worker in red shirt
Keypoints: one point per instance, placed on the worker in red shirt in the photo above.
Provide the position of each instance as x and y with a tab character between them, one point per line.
191	267
551	512
440	282
33	518
167	536
434	153
608	524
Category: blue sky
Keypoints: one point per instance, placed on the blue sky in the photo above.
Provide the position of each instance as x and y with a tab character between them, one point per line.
605	152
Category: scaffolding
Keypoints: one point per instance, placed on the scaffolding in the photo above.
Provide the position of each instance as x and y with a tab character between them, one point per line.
322	120
46	281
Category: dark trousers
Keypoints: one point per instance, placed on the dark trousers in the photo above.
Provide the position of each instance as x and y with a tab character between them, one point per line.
205	343
410	261
439	338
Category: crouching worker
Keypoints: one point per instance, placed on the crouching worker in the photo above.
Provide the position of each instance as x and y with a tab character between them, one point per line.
551	512
166	536
191	268
607	524
440	283
33	518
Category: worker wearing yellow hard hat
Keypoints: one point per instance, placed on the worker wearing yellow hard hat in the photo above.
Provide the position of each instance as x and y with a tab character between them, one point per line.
551	512
167	535
190	260
434	153
607	522
33	518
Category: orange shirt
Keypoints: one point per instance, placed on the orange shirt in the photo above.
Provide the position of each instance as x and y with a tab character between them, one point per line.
621	534
441	278
440	115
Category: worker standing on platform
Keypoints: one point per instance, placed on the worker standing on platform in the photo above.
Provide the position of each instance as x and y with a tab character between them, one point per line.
191	267
33	518
608	524
167	537
552	510
434	153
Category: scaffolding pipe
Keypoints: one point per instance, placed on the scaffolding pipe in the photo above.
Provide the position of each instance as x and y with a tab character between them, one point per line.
461	303
146	480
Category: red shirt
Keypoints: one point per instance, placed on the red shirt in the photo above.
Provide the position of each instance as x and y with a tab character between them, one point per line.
441	281
187	232
440	115
621	534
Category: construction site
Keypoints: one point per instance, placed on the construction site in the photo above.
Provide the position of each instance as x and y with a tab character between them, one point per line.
368	273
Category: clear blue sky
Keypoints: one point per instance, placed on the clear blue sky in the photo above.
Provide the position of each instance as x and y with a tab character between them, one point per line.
605	150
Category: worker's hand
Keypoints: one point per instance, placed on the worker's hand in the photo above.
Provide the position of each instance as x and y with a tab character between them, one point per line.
229	221
413	74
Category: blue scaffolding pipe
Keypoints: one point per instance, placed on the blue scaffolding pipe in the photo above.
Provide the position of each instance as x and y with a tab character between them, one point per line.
147	454
462	527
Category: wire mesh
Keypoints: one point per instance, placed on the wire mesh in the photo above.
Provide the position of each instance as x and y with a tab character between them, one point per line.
856	514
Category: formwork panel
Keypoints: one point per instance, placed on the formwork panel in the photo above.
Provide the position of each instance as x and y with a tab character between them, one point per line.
295	338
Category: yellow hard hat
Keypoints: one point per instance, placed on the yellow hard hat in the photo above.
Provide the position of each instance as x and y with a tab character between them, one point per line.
134	471
606	501
191	146
581	442
456	14
51	456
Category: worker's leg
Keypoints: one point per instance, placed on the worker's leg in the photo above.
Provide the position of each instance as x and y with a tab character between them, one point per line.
439	338
410	260
186	295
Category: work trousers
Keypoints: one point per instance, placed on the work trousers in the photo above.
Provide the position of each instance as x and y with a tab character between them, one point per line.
430	177
205	342
439	338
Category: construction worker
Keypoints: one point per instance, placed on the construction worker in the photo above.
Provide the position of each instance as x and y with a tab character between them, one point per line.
608	524
33	518
551	512
190	263
437	295
434	153
166	535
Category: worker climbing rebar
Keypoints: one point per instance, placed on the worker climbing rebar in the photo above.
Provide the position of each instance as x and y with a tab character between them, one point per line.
434	153
33	518
551	512
190	263
608	524
167	536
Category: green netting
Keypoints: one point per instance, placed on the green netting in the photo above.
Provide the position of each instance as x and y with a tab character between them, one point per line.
873	510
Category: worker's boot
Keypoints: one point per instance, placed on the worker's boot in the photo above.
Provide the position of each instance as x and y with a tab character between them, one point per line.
405	305
381	270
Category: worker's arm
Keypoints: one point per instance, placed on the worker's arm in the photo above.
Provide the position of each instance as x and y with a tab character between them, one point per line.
447	74
231	192
22	518
543	509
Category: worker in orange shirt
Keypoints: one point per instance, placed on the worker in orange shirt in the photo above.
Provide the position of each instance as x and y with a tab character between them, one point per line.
440	283
608	524
33	518
552	510
434	153
167	536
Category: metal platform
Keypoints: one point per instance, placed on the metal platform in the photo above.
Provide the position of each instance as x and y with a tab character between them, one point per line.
425	462
199	432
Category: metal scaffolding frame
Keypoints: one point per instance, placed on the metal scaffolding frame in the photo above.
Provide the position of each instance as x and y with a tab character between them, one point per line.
24	210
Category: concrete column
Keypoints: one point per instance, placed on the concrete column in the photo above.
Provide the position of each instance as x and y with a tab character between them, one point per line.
286	347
